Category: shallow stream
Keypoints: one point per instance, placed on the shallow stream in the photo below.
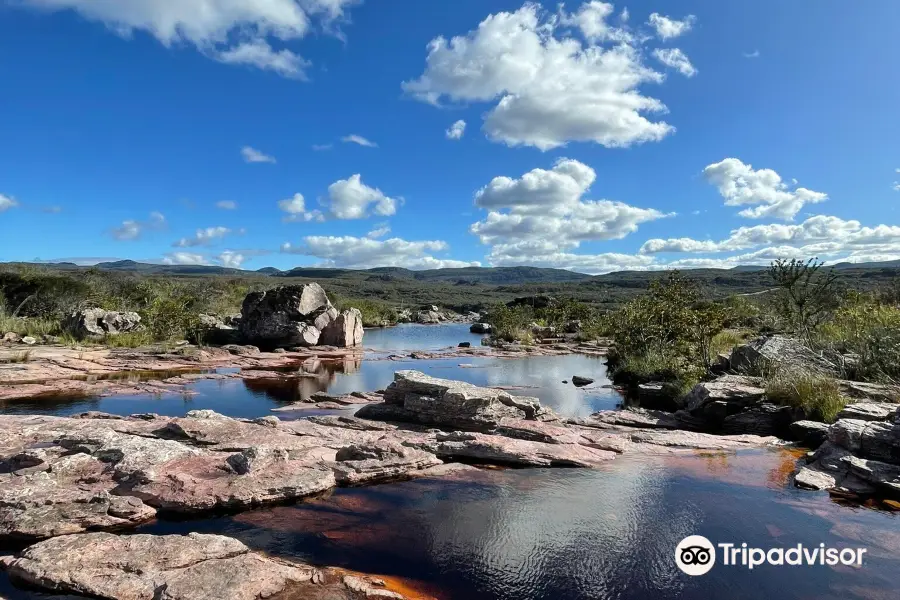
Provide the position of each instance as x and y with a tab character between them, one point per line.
529	534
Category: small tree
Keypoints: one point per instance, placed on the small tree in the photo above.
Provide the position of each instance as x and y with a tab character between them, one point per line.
806	293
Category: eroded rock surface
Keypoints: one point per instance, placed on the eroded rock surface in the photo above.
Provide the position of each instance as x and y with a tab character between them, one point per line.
178	567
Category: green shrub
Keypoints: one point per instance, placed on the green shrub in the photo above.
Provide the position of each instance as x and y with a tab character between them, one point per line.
374	313
32	326
871	332
725	341
818	396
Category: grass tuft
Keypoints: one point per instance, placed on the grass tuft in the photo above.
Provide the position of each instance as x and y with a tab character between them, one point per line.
818	396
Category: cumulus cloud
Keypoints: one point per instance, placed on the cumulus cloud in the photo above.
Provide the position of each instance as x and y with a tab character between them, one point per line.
540	217
675	59
227	258
741	185
203	237
6	203
359	140
381	230
295	209
132	229
828	237
352	199
227	205
754	54
252	155
667	28
230	31
365	253
548	88
456	130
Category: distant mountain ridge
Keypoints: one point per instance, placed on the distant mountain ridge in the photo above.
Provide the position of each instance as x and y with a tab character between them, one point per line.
497	276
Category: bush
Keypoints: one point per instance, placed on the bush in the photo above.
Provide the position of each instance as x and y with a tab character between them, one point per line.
818	396
870	331
374	313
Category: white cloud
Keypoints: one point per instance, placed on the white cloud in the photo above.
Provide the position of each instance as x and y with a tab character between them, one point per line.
259	54
227	258
358	139
231	259
6	203
591	18
678	245
667	28
676	59
230	31
364	253
381	230
548	87
740	185
252	155
132	230
295	207
352	199
546	216
203	237
754	54
321	147
227	205
456	130
896	186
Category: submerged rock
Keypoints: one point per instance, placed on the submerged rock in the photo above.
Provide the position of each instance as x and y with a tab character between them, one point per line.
579	381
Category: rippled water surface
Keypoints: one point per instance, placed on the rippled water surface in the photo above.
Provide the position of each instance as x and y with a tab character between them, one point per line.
558	534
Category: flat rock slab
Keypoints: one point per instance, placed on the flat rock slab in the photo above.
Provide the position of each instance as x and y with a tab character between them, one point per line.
176	567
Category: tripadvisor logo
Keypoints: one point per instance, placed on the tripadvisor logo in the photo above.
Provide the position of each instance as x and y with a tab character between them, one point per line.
696	555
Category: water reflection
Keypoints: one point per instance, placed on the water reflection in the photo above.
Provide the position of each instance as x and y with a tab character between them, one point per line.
579	534
409	336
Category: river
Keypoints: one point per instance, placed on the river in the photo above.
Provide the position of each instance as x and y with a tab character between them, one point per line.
530	534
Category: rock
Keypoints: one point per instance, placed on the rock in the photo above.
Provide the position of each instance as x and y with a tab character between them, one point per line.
579	381
767	353
325	319
11	337
428	317
96	322
346	330
284	316
573	326
380	461
404	316
495	448
870	392
178	567
465	345
735	391
763	419
239	350
480	328
214	330
869	411
835	469
29	340
418	398
810	433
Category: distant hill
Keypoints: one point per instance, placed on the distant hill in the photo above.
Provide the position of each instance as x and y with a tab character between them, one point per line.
470	275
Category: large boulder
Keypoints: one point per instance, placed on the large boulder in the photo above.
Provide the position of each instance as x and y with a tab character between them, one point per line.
287	316
766	354
97	322
429	317
344	331
214	330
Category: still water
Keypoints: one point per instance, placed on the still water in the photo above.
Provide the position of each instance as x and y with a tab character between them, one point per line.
539	534
540	376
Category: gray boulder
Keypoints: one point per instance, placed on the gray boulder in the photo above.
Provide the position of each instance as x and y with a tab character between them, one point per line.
428	317
735	391
214	330
285	316
869	411
777	352
344	331
97	322
480	328
809	433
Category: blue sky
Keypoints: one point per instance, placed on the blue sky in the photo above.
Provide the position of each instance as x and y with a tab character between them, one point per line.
597	137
